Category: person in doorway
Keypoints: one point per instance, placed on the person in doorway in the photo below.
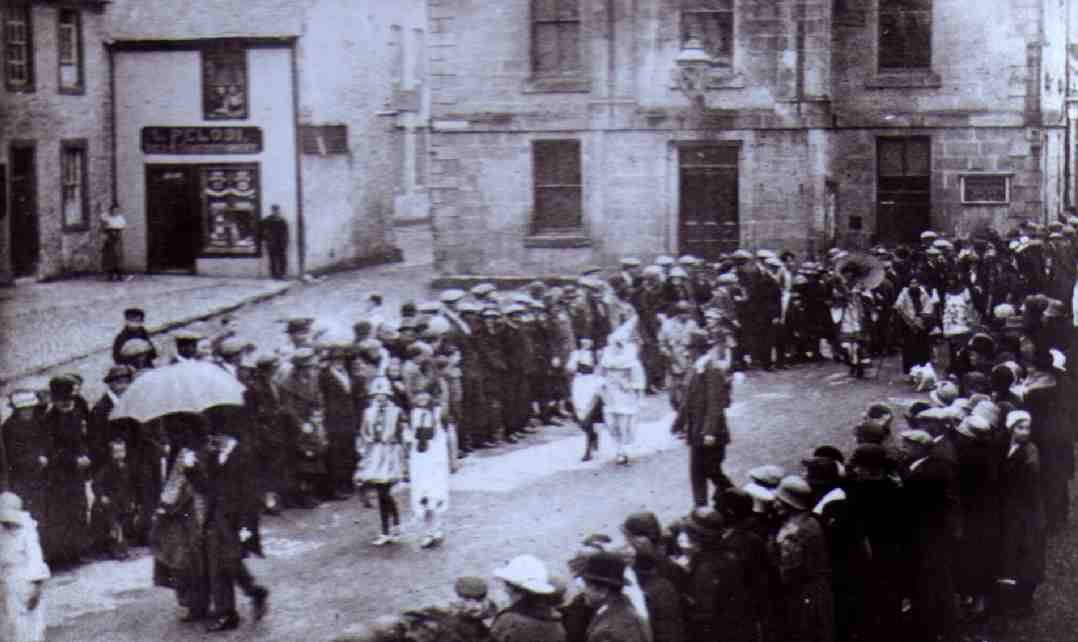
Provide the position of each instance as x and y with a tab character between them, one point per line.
275	234
114	224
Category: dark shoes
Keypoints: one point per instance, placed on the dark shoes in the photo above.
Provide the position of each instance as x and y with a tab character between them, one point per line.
259	602
193	615
226	622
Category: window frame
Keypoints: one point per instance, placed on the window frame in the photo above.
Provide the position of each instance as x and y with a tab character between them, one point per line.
906	68
202	173
1006	176
577	81
535	226
725	61
205	55
6	13
82	146
79	52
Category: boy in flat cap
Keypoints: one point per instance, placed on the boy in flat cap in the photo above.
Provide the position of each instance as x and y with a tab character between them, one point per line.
134	318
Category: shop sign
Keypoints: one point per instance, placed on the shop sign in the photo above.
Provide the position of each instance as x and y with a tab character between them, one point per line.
201	140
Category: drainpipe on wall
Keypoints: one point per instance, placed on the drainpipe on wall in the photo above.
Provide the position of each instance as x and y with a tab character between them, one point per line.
301	232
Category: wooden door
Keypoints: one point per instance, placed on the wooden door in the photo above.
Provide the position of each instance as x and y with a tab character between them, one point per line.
25	233
903	189
173	217
708	207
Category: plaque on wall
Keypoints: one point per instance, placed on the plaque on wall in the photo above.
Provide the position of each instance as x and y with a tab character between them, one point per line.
201	140
230	207
985	188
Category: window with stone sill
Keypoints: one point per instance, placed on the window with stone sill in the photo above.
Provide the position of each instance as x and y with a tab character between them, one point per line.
73	181
559	191
986	189
905	35
69	42
557	51
711	23
18	36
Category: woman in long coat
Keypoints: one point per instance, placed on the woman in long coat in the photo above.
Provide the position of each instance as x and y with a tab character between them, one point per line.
177	539
976	559
67	516
1022	556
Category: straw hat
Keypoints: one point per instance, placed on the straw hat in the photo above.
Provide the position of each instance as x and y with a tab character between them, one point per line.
528	573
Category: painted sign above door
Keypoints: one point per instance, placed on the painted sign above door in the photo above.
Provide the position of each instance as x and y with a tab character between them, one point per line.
201	140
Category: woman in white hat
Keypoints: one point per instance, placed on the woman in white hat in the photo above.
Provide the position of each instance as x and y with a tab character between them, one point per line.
623	387
529	614
23	573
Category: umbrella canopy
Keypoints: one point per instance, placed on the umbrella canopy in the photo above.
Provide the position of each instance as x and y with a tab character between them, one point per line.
190	386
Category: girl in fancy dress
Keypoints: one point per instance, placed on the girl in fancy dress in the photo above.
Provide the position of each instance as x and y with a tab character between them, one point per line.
623	387
582	366
384	435
429	468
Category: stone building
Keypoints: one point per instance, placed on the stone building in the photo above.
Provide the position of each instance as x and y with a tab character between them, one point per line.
196	117
54	145
567	132
224	109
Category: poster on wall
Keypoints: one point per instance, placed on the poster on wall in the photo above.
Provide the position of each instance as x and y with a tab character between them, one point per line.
230	205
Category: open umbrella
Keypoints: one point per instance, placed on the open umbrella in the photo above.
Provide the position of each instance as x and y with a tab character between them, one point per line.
190	386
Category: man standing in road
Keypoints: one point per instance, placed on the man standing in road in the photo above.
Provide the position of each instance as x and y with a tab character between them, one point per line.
275	235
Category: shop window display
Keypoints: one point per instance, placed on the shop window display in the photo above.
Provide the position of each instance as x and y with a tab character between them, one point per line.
230	197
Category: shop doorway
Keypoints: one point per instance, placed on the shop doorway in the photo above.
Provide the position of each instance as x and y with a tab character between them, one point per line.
708	201
173	218
903	189
25	235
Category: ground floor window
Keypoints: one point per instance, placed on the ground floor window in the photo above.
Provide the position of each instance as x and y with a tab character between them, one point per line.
559	193
230	210
989	189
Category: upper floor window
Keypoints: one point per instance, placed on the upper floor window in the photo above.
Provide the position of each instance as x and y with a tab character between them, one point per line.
69	40
711	23
556	37
224	83
559	190
905	34
18	48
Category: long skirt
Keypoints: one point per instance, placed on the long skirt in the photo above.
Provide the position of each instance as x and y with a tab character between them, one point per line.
66	525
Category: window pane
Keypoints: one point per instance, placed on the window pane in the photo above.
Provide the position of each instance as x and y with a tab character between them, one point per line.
544	9
918	157
558	207
569	37
918	31
545	59
557	163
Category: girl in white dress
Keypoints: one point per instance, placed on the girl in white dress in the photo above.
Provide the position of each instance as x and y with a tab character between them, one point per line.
429	468
623	387
584	393
384	435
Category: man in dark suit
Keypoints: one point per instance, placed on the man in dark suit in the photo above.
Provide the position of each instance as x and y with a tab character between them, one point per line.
275	235
133	329
702	416
103	431
615	619
221	474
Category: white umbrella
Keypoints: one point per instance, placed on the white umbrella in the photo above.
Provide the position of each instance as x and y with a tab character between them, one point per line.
189	386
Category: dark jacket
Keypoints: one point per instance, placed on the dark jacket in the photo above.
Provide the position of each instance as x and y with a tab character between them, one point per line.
1022	556
703	412
664	606
617	621
727	589
528	621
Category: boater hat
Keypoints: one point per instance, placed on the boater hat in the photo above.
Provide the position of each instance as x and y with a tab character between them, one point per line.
527	573
794	492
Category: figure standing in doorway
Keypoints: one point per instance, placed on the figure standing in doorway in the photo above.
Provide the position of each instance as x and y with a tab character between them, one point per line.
275	234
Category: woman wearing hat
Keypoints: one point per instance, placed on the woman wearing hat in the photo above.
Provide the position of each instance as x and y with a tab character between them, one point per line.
384	434
23	574
26	448
1022	557
66	517
528	616
800	552
623	387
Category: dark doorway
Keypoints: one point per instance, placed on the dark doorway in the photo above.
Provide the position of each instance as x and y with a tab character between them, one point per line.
708	218
903	189
25	238
173	218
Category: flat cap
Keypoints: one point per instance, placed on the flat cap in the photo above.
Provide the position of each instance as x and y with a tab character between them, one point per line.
482	289
470	587
116	373
299	324
664	260
917	437
451	296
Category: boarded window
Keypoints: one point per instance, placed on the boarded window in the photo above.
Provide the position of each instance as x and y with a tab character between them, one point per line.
224	83
905	34
74	197
558	186
69	43
711	22
986	188
18	49
556	37
323	140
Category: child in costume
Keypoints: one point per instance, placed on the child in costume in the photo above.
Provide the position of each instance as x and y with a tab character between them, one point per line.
429	467
384	434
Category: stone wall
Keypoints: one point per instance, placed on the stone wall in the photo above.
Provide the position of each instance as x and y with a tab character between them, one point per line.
46	117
